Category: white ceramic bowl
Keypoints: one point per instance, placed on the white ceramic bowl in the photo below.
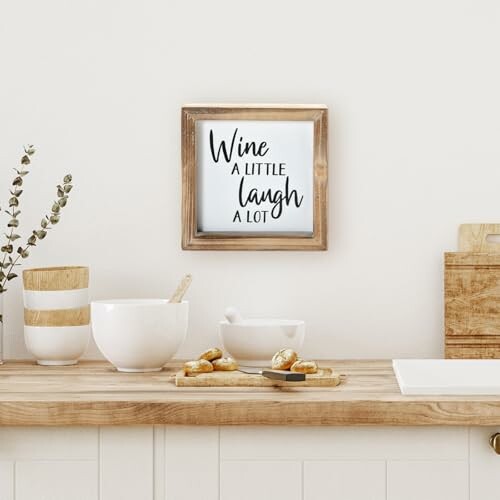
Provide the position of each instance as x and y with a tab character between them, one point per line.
57	345
139	335
253	342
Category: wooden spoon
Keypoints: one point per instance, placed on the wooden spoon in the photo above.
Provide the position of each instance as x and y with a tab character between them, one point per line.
181	289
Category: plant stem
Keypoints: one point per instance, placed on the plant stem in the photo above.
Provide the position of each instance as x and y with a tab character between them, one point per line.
4	282
9	241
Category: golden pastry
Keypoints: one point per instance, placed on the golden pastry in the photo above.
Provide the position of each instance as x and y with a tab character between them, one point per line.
211	354
192	368
284	359
225	364
302	366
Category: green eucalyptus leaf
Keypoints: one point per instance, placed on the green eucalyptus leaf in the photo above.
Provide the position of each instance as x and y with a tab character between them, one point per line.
44	223
18	181
22	252
32	240
7	249
16	192
14	237
25	160
41	234
67	178
62	202
29	150
13	223
56	208
54	219
60	192
11	276
68	188
13	202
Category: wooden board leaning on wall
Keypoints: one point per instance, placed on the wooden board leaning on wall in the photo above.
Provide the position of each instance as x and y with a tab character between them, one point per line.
472	294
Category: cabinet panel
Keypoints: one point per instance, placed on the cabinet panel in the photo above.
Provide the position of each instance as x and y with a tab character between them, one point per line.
6	480
428	480
370	443
263	480
56	480
191	463
484	465
126	461
47	443
346	480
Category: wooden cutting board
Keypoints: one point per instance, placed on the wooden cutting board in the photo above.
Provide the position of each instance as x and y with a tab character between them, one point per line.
325	377
472	294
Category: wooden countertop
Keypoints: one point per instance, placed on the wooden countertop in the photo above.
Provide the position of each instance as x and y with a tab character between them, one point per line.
93	393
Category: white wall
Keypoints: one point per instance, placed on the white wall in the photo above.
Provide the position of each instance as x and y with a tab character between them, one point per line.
413	89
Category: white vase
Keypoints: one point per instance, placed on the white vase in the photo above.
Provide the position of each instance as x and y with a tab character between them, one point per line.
56	314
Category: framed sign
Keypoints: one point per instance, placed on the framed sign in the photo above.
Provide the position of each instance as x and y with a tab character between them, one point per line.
254	177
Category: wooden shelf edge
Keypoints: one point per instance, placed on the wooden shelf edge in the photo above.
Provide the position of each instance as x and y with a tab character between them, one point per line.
331	413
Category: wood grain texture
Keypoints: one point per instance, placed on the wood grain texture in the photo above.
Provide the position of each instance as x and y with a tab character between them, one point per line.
93	393
192	239
56	278
474	238
325	377
58	317
472	305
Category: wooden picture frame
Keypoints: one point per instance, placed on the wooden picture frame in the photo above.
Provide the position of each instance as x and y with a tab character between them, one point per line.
313	118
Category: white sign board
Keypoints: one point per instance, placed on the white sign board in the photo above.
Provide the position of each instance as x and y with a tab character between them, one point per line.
255	176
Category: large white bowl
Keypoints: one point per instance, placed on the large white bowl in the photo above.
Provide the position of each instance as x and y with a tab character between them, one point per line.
139	335
254	342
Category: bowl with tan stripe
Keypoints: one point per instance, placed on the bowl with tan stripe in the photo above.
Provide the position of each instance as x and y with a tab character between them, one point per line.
56	313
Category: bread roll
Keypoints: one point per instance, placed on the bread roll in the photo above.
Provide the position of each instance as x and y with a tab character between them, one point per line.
284	359
211	354
192	368
302	366
225	364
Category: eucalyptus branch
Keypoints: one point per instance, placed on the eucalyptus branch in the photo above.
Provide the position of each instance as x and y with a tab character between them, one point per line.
8	262
48	222
14	211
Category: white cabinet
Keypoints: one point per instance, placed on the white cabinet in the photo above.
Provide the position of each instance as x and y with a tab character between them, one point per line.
484	465
428	479
348	463
263	479
56	480
191	463
240	463
126	463
48	463
327	479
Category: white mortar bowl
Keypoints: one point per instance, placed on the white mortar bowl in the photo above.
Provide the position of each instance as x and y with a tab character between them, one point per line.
139	335
253	342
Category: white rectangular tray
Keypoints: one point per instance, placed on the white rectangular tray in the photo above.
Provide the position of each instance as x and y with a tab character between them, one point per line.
448	376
